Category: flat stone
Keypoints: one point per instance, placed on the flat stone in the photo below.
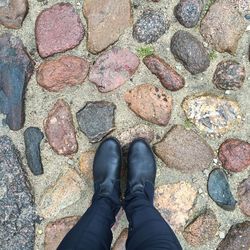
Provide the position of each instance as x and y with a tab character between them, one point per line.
187	49
66	71
59	129
120	243
16	68
113	68
58	28
243	192
107	20
238	237
13	12
17	208
219	189
235	155
222	27
212	114
151	103
229	75
55	231
96	119
175	203
184	150
150	26
188	12
32	138
66	192
168	77
86	165
202	229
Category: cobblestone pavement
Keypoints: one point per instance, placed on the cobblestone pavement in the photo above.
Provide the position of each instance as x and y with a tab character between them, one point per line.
174	72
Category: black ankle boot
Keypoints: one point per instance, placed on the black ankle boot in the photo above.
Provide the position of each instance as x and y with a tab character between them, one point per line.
141	167
106	169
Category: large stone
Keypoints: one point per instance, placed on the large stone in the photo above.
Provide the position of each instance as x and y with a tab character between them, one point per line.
150	103
202	229
32	138
175	203
113	68
17	212
55	75
55	231
187	49
96	119
222	27
86	165
107	20
235	155
13	12
168	77
120	243
188	12
229	75
66	192
58	28
212	114
184	150
244	196
219	189
59	129
150	26
16	68
238	237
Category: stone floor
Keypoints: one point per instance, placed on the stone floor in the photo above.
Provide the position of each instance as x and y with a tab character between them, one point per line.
127	94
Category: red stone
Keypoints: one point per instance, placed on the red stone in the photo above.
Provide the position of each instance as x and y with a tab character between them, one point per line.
235	155
58	29
60	130
243	192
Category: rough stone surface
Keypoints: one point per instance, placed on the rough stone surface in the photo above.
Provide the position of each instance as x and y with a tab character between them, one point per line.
175	203
113	68
59	129
222	27
187	49
56	230
96	119
238	237
219	189
86	165
120	243
16	68
58	29
13	12
235	155
55	75
150	26
107	20
212	114
244	196
150	103
184	150
188	12
66	192
32	138
229	75
202	229
17	212
169	78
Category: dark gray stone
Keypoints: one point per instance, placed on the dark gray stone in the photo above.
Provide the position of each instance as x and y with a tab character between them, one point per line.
190	52
16	68
32	138
96	119
150	26
219	190
17	213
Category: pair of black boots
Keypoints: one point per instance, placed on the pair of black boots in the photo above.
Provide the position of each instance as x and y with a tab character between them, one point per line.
107	167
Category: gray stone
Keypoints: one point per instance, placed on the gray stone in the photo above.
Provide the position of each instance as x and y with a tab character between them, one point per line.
17	213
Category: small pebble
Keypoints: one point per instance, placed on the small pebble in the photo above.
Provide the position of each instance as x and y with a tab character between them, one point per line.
247	16
39	231
70	162
221	235
227	92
